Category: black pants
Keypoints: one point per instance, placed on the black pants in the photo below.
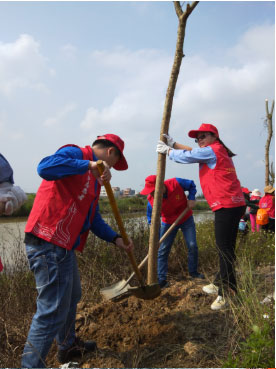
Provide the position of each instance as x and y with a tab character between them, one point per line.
226	230
270	226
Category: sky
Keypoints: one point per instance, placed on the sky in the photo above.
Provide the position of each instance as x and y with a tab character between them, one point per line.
70	71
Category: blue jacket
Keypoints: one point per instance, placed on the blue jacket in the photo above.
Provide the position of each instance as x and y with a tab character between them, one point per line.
68	161
6	172
186	184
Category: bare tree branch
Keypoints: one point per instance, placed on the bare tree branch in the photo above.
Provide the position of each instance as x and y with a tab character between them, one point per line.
268	174
178	8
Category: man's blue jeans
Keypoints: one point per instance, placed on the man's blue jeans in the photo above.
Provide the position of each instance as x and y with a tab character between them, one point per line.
59	290
189	233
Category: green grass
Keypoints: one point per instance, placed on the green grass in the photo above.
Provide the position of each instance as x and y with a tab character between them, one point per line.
131	204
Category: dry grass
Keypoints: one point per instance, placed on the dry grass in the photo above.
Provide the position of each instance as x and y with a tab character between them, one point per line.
98	269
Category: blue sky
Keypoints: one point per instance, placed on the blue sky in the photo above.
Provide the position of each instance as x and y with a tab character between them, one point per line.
70	71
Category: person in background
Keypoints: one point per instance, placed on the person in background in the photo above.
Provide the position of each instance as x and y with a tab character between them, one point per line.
11	197
222	190
64	211
243	226
173	204
267	202
255	198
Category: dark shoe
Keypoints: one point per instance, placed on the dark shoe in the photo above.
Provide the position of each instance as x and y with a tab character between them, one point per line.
79	348
197	275
163	284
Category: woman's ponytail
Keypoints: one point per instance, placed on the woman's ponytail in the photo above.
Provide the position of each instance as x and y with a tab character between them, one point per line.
230	153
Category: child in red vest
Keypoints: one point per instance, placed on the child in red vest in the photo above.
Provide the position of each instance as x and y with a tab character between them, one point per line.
223	192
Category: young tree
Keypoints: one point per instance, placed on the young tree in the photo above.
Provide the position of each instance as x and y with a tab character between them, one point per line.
269	171
161	161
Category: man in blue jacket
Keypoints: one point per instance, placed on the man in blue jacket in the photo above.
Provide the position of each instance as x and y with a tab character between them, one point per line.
64	211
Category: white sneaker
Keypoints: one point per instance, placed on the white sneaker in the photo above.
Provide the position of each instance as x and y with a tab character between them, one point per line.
211	289
219	303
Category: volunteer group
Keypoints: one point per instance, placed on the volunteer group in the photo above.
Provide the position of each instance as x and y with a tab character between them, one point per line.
66	208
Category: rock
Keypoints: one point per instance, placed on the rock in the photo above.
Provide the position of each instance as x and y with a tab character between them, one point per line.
191	348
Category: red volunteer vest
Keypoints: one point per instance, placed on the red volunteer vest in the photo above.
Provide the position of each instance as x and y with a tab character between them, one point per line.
268	202
61	207
174	204
220	186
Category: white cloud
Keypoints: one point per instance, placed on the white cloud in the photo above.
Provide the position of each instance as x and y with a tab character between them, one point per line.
69	50
21	65
60	115
127	89
204	91
230	95
256	44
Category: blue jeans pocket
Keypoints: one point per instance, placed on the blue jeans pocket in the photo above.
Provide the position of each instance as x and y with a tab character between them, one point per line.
60	254
39	266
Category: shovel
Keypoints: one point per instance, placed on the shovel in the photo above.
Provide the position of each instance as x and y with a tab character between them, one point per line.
148	292
122	289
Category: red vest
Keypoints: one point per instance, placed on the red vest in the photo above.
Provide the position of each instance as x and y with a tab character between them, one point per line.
268	202
174	204
1	266
220	186
61	207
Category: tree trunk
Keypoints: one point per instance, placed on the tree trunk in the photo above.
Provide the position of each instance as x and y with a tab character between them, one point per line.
161	161
267	146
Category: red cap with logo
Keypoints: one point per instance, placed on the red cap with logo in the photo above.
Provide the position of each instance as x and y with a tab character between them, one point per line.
205	127
119	143
149	185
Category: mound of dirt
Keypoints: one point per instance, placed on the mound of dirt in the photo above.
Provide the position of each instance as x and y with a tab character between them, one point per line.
177	329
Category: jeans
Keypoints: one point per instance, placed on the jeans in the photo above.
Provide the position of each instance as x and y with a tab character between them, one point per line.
58	285
189	233
226	230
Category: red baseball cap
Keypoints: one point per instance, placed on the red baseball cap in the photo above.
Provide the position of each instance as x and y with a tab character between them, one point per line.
245	190
205	127
119	143
149	185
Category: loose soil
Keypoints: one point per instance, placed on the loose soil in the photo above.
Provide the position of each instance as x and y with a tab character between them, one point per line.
177	329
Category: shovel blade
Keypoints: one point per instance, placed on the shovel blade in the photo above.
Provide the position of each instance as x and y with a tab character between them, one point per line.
115	290
148	292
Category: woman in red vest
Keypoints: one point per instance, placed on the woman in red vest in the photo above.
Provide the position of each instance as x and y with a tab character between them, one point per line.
223	192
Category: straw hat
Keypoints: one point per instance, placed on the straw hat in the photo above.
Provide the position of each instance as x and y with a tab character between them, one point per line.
269	189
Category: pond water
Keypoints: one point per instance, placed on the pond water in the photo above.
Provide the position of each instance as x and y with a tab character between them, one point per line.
12	248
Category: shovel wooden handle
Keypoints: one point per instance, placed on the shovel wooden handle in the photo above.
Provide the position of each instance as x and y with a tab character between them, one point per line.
119	221
165	235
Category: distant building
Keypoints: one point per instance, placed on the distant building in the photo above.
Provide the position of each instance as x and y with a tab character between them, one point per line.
116	191
103	192
128	192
